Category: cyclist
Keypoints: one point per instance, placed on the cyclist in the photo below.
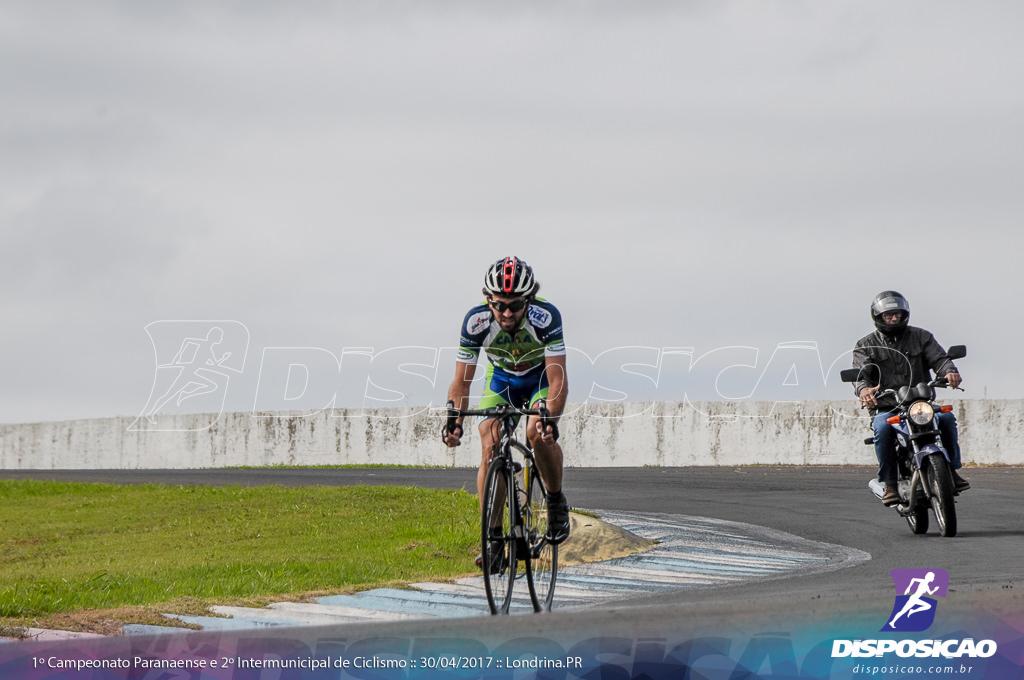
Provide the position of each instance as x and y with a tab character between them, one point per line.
521	335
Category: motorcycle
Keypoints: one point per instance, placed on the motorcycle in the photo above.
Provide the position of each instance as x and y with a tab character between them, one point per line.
925	477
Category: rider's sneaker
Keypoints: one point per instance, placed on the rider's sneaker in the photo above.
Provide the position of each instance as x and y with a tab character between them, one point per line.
499	561
890	496
558	518
959	483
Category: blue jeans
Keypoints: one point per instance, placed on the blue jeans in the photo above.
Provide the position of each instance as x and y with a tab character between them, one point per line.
885	444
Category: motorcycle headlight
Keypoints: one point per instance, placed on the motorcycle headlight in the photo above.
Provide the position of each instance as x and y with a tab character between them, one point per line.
921	413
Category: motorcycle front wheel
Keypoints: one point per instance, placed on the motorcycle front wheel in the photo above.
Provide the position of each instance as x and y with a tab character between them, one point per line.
918	521
940	488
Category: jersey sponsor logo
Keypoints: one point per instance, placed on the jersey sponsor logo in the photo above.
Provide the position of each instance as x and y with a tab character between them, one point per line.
540	317
477	323
465	355
556	347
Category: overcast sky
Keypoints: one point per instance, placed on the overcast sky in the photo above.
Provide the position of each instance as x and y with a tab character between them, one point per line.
340	174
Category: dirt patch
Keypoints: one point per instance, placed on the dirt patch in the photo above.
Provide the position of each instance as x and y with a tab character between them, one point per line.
98	621
591	540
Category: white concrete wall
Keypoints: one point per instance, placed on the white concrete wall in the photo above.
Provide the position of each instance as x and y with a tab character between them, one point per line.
665	434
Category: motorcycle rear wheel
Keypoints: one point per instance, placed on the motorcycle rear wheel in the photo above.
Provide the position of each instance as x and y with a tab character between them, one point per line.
940	482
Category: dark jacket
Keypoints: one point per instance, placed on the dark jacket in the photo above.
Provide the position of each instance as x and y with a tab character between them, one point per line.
896	361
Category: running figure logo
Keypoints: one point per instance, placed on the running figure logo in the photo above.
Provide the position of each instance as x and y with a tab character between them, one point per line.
914	610
194	363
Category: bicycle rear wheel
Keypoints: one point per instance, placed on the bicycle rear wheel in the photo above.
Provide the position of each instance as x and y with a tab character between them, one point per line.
542	557
498	536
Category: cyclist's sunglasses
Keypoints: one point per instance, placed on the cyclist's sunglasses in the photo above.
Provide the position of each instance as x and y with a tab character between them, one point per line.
516	306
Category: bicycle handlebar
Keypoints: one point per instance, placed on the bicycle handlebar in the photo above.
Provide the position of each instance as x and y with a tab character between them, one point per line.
501	411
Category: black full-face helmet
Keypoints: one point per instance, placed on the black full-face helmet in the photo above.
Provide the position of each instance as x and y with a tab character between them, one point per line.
890	301
510	277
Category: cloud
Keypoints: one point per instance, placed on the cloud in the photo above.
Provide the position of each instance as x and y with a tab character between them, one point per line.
78	241
340	174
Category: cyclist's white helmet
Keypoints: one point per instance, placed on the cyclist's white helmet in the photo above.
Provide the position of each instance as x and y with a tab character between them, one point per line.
510	277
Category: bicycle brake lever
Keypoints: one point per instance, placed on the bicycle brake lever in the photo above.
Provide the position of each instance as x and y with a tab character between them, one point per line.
452	416
546	420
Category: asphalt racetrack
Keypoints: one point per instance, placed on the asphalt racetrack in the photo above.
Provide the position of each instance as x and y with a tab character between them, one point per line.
827	504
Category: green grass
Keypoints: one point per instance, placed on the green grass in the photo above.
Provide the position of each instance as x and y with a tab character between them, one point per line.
336	466
69	546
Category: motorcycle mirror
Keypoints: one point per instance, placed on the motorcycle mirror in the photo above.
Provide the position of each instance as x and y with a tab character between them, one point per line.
957	351
850	375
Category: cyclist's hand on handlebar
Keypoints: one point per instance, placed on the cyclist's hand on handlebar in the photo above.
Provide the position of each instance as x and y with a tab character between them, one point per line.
547	428
867	397
451	431
954	380
452	439
548	433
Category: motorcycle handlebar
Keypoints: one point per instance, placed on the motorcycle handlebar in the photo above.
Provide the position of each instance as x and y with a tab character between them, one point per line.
938	382
942	382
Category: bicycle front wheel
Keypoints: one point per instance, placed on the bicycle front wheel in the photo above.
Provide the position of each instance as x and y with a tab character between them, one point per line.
542	557
498	537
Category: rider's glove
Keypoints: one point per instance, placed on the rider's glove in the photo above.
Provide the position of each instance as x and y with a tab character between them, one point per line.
445	432
554	429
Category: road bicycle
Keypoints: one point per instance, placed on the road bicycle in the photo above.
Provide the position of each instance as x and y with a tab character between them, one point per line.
513	527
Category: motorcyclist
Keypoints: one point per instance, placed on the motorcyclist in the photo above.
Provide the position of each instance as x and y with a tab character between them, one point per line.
895	355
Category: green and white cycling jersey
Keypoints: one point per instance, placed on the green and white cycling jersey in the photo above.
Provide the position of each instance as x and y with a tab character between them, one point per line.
515	354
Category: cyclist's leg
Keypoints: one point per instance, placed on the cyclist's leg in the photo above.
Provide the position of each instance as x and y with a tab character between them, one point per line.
549	464
496	391
548	455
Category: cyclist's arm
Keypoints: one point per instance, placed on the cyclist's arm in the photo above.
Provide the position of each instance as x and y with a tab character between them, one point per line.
458	391
558	384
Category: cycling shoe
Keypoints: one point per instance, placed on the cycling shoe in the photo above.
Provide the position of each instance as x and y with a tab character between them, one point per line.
499	560
558	518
